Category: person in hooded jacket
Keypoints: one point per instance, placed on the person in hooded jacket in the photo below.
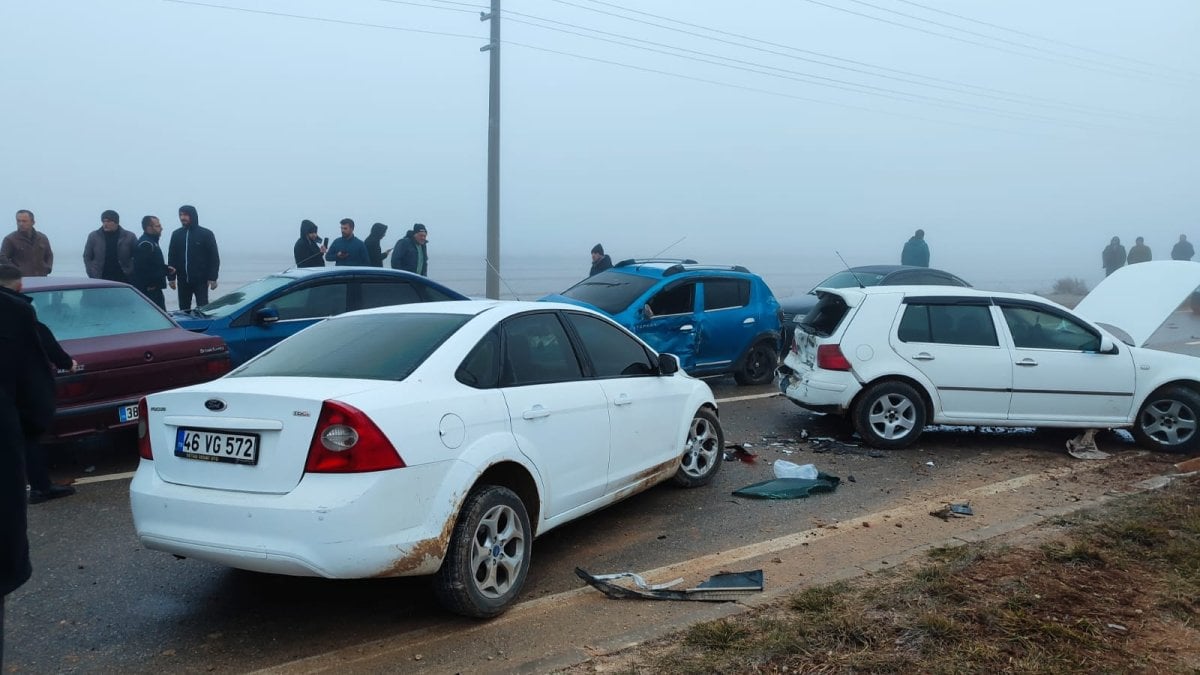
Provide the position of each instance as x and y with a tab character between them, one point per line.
1112	258
1182	250
150	271
600	261
410	253
916	251
374	252
108	253
309	252
193	254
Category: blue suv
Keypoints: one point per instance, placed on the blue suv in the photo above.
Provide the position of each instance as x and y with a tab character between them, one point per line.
717	319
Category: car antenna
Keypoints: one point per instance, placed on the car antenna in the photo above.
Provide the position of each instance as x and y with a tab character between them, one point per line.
856	279
677	242
501	277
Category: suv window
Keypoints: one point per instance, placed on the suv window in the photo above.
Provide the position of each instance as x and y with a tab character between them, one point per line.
678	299
825	316
610	291
1034	328
613	352
948	324
537	350
726	293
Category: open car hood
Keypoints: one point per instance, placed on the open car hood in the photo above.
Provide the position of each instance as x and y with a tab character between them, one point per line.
1138	298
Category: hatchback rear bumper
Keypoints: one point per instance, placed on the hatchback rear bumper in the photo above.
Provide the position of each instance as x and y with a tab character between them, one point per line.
819	390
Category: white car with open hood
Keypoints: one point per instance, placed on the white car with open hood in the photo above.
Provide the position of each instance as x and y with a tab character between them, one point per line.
895	359
437	438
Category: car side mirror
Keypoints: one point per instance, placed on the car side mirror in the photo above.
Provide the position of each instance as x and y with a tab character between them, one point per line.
668	364
266	315
1107	346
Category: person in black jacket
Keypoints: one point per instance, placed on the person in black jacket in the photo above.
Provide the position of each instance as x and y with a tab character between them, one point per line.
600	261
150	272
411	253
193	254
308	251
374	254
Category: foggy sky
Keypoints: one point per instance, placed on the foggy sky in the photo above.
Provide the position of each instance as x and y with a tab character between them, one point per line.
261	121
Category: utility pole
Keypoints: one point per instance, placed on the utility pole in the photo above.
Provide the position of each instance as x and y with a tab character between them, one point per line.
492	286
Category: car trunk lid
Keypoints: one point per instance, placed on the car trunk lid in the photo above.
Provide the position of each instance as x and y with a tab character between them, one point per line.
1138	298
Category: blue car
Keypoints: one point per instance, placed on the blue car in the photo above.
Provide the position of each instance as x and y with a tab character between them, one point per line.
263	312
717	319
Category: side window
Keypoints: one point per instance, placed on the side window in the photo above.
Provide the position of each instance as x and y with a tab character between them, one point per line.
537	351
948	324
382	294
1033	328
431	294
312	302
726	293
613	352
677	300
481	368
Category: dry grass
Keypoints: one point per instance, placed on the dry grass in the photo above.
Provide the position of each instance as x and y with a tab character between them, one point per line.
1117	589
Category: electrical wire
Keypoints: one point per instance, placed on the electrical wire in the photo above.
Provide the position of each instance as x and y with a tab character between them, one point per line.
360	24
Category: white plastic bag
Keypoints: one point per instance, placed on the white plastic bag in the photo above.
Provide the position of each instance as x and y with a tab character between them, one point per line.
786	469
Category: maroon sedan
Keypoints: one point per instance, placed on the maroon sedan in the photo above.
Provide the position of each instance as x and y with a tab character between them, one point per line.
126	348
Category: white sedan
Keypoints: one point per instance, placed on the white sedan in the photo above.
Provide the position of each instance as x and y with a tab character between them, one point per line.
438	438
895	359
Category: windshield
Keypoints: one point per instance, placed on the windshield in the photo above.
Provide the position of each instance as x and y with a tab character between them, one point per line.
93	312
610	291
370	347
231	303
848	279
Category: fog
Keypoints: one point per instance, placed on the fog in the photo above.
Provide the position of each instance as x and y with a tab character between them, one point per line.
1024	137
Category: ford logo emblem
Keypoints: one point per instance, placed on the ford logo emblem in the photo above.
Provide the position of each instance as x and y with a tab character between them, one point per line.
215	404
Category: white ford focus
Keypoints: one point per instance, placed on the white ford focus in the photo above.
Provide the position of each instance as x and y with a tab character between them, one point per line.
438	438
895	359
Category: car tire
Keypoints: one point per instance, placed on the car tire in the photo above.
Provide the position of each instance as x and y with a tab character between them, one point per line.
889	415
758	366
1169	421
703	451
489	554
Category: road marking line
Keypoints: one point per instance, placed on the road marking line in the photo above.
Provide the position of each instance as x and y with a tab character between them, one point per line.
103	478
751	397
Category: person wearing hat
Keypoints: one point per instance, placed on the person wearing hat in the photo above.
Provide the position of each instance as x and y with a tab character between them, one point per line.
410	253
600	261
108	253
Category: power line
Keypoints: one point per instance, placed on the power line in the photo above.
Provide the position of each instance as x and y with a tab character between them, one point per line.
997	94
360	24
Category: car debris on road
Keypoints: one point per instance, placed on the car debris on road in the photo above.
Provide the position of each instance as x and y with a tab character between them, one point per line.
951	510
1084	446
720	587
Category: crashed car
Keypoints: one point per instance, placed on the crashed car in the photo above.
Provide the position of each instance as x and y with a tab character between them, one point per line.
894	359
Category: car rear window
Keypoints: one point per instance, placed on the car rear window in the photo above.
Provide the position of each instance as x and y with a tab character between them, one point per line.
848	279
77	313
610	291
370	347
825	316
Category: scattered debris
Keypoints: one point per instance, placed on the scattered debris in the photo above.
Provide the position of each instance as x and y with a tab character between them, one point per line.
953	511
786	469
1083	446
929	464
735	451
790	488
720	587
851	478
89	469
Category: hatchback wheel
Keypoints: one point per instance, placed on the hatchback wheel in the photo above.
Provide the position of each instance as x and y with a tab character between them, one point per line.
703	453
890	415
1168	421
759	365
489	554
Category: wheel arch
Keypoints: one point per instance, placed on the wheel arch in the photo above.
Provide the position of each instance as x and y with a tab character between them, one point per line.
917	385
515	477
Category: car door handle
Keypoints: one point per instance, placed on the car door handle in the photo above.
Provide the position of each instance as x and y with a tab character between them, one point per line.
1027	362
536	412
748	321
922	356
622	399
686	327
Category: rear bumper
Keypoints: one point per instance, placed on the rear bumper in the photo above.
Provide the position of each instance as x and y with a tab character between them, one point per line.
81	420
823	391
348	526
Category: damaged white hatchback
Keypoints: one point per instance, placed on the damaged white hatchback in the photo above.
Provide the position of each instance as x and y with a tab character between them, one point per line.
896	359
436	438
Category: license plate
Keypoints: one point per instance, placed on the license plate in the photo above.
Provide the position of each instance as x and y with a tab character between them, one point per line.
128	413
217	446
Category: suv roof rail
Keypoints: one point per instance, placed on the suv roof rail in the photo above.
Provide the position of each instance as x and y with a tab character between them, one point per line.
642	261
687	266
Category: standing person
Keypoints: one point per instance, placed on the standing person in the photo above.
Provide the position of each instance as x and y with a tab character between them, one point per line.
600	261
1182	250
108	253
35	402
1113	256
411	253
150	272
27	249
374	252
1139	252
308	250
194	256
916	251
348	249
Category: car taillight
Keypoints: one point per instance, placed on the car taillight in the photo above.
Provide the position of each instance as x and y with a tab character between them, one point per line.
143	428
830	357
216	366
69	390
347	441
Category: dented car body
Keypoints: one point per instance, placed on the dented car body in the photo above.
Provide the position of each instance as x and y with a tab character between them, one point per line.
423	439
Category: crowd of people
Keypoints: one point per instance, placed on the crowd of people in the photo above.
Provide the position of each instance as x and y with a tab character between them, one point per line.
1114	257
410	253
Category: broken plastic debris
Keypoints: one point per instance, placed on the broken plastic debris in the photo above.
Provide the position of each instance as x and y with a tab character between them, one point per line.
790	488
739	451
929	464
1083	446
786	469
720	587
953	511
